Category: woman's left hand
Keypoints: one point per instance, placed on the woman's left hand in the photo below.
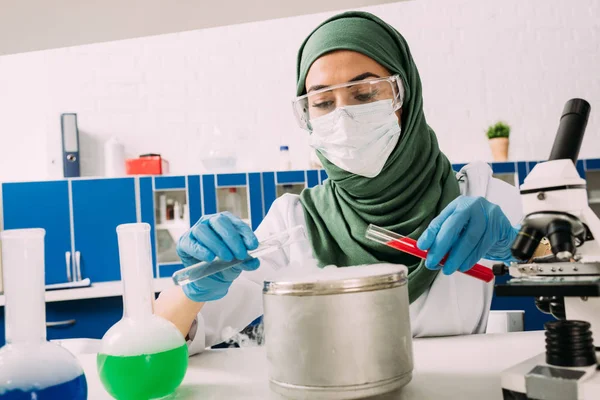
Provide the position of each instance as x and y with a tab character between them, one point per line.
468	229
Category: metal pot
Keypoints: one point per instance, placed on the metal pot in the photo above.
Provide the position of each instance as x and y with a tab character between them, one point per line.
343	333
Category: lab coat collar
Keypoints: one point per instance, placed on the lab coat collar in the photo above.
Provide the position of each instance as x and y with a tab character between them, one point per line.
474	179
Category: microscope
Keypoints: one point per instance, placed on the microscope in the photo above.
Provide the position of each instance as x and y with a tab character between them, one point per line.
566	281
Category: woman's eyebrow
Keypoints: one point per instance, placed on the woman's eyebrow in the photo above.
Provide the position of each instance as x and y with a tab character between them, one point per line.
360	77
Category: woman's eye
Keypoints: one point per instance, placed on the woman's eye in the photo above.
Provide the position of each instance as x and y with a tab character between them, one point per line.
323	104
365	96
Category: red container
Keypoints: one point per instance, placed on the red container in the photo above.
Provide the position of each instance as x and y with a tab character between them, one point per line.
147	164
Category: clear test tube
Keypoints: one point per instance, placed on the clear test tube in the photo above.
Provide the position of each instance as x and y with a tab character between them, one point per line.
23	264
135	256
271	246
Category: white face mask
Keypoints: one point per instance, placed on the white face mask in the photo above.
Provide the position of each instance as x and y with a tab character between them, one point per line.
358	139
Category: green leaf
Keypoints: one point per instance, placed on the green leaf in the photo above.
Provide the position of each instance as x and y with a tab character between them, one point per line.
499	130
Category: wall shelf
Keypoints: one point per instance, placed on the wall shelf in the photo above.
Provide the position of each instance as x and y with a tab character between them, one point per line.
97	290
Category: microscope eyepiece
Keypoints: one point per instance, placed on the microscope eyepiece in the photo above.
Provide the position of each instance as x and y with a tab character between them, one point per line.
526	242
571	128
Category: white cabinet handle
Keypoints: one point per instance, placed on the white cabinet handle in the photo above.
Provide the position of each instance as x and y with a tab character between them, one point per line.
77	266
68	262
58	324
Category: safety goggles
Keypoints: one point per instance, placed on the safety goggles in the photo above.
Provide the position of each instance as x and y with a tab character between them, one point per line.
321	102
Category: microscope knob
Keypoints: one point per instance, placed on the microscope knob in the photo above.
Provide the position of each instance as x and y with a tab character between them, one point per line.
569	344
543	304
499	269
557	308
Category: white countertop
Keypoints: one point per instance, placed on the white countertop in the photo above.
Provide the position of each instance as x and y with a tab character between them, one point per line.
463	367
96	290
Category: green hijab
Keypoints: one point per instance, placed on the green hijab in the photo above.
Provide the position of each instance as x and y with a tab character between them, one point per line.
416	183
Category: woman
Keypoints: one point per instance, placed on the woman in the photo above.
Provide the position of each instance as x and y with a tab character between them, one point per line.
360	98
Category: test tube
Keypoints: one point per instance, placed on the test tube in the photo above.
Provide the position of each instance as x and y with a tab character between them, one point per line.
23	265
409	246
271	246
135	256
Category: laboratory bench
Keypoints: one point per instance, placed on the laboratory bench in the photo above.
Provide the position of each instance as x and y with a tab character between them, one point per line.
460	367
80	216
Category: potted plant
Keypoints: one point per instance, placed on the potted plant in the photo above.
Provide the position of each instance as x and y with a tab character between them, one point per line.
498	138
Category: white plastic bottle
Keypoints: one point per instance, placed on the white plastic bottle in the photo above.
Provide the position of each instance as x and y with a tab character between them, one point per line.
177	212
233	202
114	158
162	209
186	214
285	162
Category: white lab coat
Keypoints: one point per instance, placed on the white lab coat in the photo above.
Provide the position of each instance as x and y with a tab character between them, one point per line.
453	305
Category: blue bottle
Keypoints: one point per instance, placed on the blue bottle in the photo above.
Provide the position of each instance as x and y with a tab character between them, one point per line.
30	366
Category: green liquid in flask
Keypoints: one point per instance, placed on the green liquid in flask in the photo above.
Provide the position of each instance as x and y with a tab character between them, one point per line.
145	376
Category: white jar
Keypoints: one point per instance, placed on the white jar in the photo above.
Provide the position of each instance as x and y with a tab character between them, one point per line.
114	158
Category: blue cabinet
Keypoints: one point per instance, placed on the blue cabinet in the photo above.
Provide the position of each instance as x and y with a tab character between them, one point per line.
42	205
194	198
244	187
168	205
79	216
99	206
89	318
504	168
147	213
276	184
2	329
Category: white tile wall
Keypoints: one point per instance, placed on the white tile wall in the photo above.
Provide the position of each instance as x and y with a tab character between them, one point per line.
480	61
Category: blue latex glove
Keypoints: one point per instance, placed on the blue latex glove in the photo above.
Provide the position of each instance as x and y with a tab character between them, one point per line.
468	229
220	235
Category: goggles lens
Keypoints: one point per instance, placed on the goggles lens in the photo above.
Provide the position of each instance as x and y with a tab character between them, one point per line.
322	102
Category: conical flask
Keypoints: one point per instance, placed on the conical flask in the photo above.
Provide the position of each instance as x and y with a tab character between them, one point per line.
30	366
142	356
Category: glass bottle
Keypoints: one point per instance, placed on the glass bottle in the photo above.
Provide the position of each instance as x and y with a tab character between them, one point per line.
30	366
142	356
285	162
233	202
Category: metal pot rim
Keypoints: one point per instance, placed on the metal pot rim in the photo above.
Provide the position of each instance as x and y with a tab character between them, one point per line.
337	286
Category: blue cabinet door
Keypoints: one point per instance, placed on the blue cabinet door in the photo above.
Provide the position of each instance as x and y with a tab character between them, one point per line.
2	327
147	214
89	318
42	205
99	206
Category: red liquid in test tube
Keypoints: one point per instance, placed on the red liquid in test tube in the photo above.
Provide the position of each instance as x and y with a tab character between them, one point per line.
409	246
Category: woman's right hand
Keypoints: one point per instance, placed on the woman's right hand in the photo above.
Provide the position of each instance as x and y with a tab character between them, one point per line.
220	235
